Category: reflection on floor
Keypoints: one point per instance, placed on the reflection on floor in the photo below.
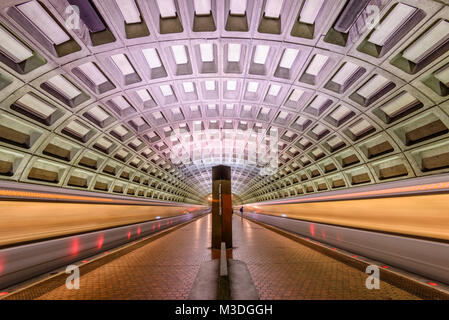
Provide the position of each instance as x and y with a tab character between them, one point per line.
281	269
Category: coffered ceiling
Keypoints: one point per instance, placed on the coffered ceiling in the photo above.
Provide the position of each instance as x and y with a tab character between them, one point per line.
356	91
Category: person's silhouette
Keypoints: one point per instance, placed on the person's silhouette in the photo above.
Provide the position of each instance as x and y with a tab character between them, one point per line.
241	212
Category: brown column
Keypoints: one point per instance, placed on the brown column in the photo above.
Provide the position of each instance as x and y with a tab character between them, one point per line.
221	207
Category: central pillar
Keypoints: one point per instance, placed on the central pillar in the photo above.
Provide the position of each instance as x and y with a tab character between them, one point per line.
221	207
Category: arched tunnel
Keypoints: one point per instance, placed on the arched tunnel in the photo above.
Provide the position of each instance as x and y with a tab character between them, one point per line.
328	118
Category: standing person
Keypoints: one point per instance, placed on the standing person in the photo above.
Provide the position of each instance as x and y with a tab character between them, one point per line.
241	212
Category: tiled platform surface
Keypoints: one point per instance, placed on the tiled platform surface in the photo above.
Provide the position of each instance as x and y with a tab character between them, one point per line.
284	269
162	269
281	269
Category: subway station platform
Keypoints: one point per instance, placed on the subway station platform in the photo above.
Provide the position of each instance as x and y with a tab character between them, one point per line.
133	133
165	267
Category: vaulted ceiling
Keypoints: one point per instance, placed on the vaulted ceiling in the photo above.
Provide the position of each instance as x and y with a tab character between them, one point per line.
355	90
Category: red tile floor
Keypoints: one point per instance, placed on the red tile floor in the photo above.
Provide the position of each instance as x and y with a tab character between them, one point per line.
281	269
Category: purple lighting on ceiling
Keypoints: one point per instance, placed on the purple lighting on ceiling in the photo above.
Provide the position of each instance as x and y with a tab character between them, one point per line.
89	15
